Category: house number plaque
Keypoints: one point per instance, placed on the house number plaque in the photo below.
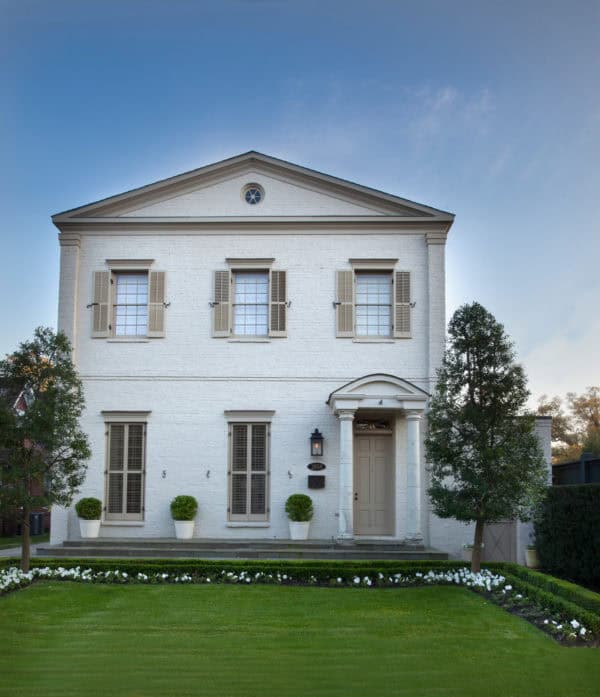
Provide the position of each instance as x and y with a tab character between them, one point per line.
316	466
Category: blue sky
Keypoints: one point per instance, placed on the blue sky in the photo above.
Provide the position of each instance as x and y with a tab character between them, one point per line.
489	110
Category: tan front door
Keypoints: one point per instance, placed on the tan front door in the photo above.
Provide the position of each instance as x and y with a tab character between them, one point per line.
373	485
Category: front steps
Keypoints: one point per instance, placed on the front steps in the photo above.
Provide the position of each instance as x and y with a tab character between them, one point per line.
170	548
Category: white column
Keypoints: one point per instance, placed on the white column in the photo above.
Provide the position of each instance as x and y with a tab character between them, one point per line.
413	483
346	476
68	302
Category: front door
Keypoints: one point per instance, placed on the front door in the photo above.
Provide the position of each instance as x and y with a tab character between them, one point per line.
373	485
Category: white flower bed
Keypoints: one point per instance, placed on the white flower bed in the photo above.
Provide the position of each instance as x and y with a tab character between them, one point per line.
13	578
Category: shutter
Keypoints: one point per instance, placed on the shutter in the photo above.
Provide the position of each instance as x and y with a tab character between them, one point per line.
402	304
277	306
344	307
100	308
222	304
156	304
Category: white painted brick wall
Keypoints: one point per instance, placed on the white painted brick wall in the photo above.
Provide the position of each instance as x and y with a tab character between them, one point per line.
188	379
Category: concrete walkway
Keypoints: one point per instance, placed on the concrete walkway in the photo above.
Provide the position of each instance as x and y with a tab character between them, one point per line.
15	551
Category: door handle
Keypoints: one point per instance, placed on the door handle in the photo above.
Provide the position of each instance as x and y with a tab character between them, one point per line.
356	495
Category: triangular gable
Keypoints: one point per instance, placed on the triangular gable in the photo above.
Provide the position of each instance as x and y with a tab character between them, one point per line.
200	193
378	390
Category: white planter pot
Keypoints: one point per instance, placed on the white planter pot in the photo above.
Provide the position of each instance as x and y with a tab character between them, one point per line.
89	528
299	531
184	529
531	558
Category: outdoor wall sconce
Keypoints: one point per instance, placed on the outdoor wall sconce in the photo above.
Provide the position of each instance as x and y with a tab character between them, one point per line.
316	443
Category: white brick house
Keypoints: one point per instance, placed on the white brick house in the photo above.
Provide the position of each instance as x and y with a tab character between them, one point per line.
220	316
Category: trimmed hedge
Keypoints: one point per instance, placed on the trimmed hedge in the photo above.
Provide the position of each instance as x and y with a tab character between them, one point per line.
565	589
567	532
555	603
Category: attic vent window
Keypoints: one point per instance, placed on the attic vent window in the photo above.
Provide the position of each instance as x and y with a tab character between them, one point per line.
253	194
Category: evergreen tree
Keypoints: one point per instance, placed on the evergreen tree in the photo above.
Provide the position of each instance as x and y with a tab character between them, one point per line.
487	461
42	448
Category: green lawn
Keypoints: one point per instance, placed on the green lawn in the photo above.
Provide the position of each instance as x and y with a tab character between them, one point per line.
8	542
62	639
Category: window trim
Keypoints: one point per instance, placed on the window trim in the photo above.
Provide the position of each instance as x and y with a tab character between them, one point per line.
127	419
365	272
249	418
113	294
233	283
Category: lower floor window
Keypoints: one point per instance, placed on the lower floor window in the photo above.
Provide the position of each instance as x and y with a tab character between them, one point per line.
126	454
248	472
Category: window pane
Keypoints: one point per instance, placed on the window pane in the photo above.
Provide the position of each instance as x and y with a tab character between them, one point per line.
117	447
134	492
259	449
258	499
135	449
131	304
115	493
374	304
251	303
238	494
239	447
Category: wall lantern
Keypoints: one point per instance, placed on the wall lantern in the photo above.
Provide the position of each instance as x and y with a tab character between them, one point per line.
316	443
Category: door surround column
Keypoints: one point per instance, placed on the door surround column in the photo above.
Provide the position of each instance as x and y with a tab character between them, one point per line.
346	475
414	534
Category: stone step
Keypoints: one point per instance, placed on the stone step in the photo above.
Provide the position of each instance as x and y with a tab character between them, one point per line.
198	544
275	551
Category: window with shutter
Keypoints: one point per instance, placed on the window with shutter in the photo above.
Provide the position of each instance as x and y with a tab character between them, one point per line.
129	301
248	472
125	471
373	300
250	301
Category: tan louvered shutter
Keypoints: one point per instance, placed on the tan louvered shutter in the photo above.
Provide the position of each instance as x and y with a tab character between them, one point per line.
156	304
222	304
344	304
101	304
278	306
402	304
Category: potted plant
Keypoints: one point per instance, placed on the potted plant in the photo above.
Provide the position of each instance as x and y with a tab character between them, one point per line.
183	512
299	509
89	511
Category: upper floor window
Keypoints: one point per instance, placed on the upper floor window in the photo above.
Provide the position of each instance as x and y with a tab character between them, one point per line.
373	304
250	300
130	309
373	300
251	303
128	300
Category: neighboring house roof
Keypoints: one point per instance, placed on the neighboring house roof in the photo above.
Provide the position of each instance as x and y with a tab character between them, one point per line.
376	204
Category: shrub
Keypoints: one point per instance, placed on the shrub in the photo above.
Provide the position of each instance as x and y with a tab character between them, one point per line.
567	529
184	508
89	508
299	508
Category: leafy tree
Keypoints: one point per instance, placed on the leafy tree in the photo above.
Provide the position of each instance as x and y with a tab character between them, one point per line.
487	461
576	430
41	443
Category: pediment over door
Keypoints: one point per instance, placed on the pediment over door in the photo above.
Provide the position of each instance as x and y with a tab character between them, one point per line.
378	391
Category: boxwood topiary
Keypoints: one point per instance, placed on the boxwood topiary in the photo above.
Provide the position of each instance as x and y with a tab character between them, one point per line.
89	508
184	508
299	508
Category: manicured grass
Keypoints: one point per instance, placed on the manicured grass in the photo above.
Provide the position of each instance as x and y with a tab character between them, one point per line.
8	542
62	639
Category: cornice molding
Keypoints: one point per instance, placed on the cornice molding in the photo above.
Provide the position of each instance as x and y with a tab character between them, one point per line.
69	239
437	237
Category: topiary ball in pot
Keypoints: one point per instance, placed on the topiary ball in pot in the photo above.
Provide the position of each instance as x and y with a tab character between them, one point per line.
184	508
89	508
299	508
183	511
89	512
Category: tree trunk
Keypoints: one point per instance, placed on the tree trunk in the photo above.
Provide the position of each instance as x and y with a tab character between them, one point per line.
477	542
25	540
